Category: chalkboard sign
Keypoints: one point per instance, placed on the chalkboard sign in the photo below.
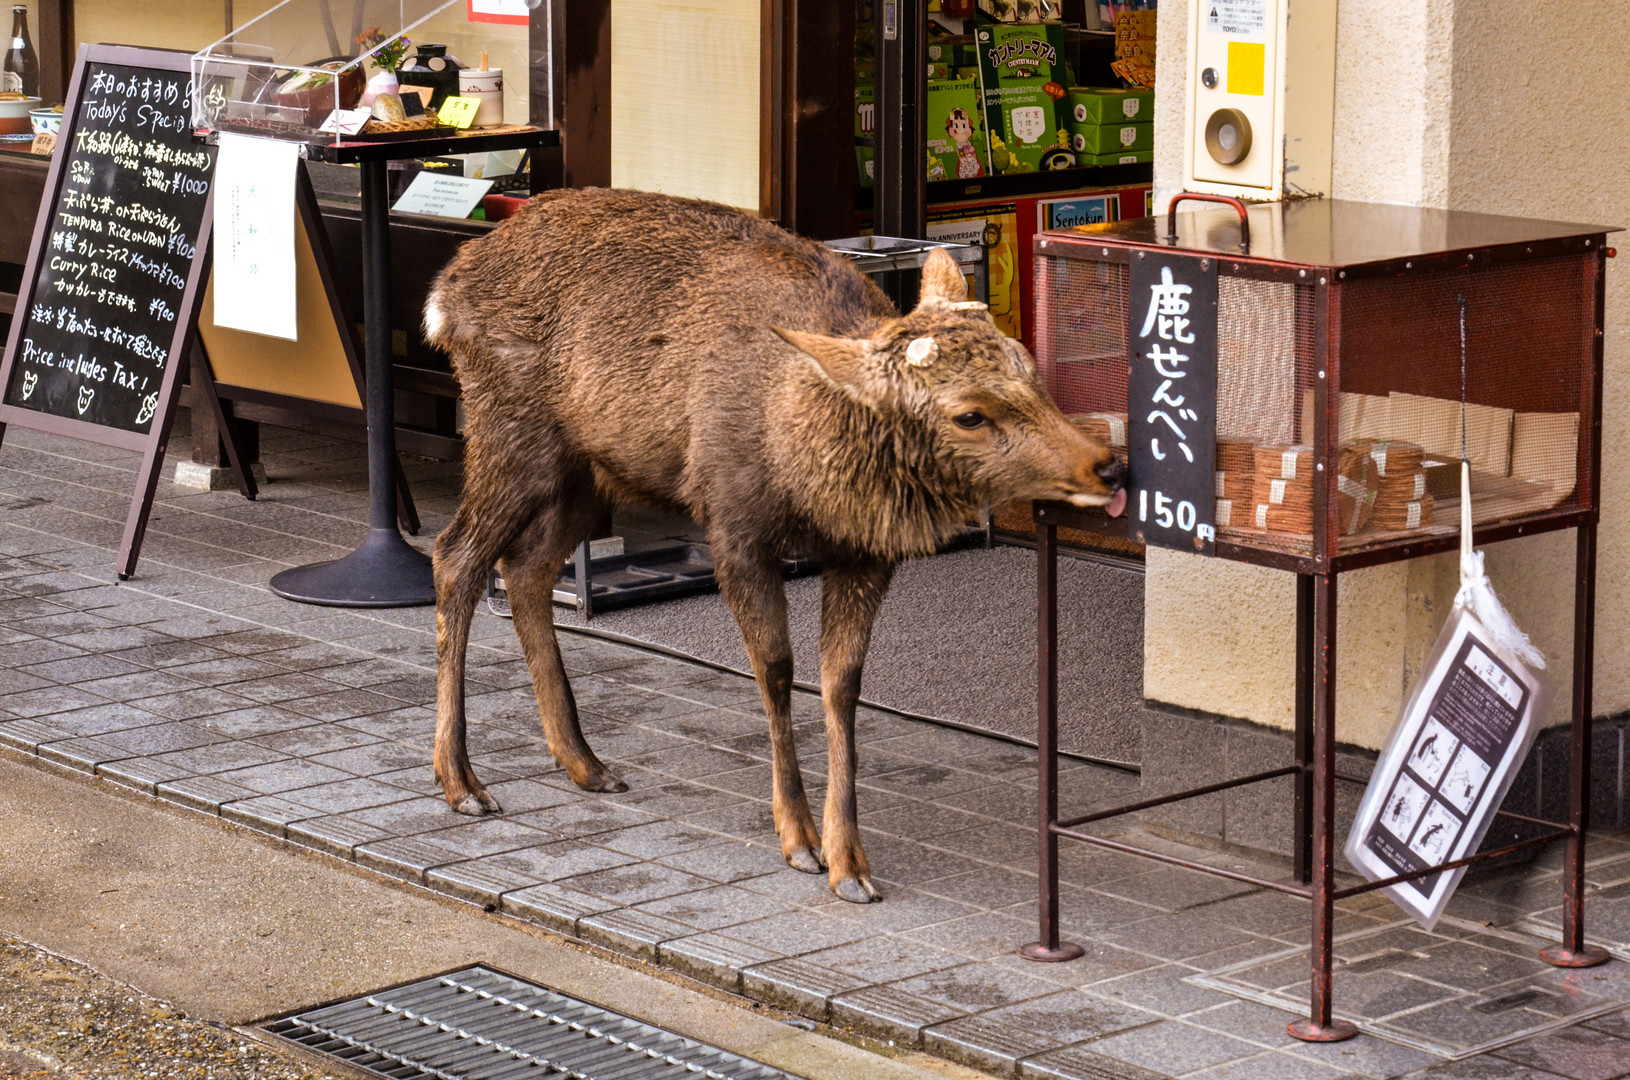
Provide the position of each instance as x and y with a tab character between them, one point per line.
109	300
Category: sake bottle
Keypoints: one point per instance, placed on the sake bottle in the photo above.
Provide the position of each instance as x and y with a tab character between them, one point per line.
21	70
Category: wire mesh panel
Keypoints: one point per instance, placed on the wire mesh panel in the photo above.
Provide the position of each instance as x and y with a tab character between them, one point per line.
1383	342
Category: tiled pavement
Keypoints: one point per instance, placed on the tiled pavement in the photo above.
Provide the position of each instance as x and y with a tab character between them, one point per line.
192	683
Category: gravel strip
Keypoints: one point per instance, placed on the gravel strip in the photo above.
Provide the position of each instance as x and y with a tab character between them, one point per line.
62	1020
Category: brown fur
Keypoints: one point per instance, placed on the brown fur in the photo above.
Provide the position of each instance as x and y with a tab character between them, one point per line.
621	346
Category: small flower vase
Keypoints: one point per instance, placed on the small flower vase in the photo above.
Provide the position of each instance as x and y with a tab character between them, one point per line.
382	83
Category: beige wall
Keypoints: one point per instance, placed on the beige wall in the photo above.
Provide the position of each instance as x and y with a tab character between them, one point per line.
685	98
1458	104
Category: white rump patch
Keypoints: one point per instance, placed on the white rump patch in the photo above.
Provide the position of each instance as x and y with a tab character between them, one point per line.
433	320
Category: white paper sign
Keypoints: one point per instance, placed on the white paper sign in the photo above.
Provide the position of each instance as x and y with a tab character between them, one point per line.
346	121
1464	733
254	236
442	195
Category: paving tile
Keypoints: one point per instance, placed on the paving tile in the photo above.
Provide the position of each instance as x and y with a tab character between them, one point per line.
266	813
408	858
727	862
341	705
716	908
585	818
277	777
1159	989
1250	1021
337	835
83	755
798	985
29	735
202	792
798	932
1483	1067
634	932
978	987
1081	1063
327	743
554	907
143	774
477	881
887	1012
1577	1053
218	757
1173	1047
138	686
1365	1055
638	882
561	859
1175	937
78	670
49	699
476	837
656	839
284	686
982	1043
341	796
713	958
191	703
257	720
1272	1065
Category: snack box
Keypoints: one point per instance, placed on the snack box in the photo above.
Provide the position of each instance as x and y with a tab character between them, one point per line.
1129	157
956	130
1111	138
1022	76
1109	105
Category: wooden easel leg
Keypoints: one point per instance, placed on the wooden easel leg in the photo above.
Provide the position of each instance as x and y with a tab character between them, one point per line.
203	385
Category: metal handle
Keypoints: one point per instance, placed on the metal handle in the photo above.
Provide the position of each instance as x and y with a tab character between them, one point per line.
1244	221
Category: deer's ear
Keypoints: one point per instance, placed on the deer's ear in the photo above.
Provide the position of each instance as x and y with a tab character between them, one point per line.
943	282
841	360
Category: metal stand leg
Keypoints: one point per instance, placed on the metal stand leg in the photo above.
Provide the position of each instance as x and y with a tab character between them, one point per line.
384	571
1320	1026
1573	952
1048	949
582	563
1302	836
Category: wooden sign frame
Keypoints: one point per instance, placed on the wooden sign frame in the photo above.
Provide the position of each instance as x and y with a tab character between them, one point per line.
151	445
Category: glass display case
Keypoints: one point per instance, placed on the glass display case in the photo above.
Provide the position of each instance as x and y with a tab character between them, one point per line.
284	73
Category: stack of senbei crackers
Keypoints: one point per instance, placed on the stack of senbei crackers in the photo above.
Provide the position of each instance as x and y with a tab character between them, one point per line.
1107	427
1282	488
1236	472
1401	501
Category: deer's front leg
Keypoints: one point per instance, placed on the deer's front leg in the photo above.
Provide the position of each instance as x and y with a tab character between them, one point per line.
850	596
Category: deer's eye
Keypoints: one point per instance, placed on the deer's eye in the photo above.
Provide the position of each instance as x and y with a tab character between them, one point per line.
970	421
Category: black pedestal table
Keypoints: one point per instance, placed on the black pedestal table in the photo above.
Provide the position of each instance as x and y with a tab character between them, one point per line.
384	571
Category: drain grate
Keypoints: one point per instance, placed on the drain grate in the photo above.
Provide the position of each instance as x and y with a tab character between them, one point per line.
480	1024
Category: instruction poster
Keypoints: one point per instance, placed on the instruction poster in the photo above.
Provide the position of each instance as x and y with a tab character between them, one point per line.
1444	773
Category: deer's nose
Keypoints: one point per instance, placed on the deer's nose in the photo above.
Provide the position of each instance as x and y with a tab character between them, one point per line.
1112	473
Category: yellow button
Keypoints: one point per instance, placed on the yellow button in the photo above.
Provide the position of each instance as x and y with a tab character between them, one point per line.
1247	61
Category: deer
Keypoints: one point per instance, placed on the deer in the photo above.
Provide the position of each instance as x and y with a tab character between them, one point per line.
622	347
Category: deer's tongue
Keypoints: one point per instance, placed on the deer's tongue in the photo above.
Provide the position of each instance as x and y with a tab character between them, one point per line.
1117	505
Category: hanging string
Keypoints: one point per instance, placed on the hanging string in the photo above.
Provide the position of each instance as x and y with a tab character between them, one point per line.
1461	300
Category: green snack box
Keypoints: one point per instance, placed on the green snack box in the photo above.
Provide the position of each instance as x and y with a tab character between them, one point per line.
1022	76
1111	138
865	163
1109	105
1128	157
865	110
956	133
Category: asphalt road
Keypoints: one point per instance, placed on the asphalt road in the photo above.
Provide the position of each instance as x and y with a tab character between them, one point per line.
176	928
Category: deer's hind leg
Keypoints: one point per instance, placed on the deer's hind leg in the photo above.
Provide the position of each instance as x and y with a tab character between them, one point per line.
750	581
489	516
531	566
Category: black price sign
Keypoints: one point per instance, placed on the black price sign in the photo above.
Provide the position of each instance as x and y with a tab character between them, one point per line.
103	316
1172	400
108	306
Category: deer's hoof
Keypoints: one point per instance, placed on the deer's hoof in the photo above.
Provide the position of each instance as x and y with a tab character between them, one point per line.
604	781
477	804
855	890
806	860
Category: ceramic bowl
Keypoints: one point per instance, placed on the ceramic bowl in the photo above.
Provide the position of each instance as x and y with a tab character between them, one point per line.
45	121
14	115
